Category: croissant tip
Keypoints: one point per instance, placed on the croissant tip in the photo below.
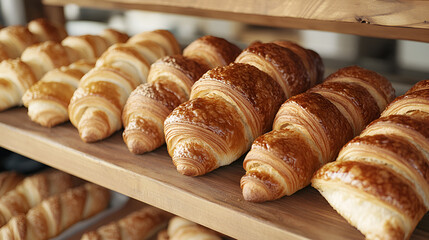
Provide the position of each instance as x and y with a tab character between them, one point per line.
89	136
137	147
254	190
187	170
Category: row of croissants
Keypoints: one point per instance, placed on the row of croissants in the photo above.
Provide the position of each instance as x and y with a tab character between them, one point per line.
215	102
46	204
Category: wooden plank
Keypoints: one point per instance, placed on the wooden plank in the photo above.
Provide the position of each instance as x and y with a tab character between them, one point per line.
213	200
385	19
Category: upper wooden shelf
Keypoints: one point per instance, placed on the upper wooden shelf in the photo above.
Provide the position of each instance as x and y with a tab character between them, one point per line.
213	200
407	20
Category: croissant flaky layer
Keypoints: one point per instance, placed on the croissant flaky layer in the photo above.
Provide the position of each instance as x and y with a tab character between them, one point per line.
140	224
31	191
326	117
57	213
267	156
380	180
144	114
212	51
229	107
282	64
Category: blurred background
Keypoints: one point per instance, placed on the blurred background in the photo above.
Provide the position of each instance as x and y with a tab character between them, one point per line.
403	62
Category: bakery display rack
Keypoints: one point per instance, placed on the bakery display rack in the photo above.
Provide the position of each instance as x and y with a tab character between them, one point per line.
215	200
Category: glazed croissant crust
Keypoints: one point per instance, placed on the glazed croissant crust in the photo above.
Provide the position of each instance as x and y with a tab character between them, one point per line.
321	120
380	180
225	113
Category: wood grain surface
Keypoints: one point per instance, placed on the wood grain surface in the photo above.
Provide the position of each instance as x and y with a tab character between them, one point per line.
385	19
213	200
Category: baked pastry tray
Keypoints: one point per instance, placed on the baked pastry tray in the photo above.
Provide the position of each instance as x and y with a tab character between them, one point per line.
213	200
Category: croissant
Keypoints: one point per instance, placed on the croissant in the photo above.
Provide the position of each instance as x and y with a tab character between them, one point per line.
282	64
46	31
226	113
169	84
16	39
8	181
415	99
182	229
90	47
31	191
380	180
57	213
15	78
311	60
212	51
37	60
309	130
96	106
161	37
47	100
140	224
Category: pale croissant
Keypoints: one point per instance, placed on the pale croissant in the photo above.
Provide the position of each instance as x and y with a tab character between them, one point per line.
31	191
8	181
96	106
182	229
140	224
47	100
57	213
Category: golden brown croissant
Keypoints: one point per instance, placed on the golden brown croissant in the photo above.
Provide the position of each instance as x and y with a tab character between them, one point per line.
16	39
15	78
380	180
311	60
169	84
46	31
182	229
282	64
161	37
57	213
8	181
230	106
310	129
140	224
96	106
416	99
40	58
212	51
31	191
47	100
90	47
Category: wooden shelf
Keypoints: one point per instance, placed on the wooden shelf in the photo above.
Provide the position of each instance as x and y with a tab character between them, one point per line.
213	200
384	19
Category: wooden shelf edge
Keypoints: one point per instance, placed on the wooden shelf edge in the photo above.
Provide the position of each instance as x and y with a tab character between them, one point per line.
348	24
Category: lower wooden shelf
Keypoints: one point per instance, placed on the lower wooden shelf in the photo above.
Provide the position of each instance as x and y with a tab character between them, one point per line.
213	200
